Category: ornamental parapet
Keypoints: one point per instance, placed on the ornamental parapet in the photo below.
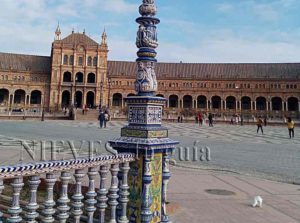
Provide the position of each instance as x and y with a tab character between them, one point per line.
57	193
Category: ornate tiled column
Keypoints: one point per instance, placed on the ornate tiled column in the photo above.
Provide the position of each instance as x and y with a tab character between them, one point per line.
144	135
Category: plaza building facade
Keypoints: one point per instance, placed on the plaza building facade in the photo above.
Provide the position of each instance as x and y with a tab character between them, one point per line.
78	73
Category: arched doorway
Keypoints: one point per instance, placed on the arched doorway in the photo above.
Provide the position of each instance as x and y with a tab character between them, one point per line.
91	78
246	103
230	102
90	99
187	101
19	97
4	96
201	101
261	103
78	99
117	100
160	95
173	101
36	97
293	104
130	95
276	104
216	102
65	99
79	77
67	77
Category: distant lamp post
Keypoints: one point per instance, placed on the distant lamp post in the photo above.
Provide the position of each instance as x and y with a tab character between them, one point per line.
101	95
109	85
240	105
43	104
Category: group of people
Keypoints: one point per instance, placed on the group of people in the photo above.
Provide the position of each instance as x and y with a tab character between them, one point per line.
290	125
103	118
200	119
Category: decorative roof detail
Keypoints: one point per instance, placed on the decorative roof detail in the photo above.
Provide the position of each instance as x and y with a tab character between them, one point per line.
57	33
20	62
79	38
233	71
104	38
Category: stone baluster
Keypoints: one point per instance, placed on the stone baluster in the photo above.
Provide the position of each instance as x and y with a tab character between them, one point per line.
146	213
32	206
49	203
102	192
119	207
1	190
165	180
113	192
124	193
91	194
15	208
77	197
63	208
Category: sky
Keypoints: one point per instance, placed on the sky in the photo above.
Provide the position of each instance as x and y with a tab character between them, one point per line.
191	31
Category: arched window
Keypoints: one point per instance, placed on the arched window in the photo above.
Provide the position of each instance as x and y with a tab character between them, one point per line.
89	62
261	103
91	78
216	102
36	97
173	101
293	104
67	77
277	103
95	61
201	101
230	102
187	101
65	59
117	100
79	77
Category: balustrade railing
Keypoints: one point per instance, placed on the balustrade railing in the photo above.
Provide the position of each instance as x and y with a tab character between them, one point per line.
62	198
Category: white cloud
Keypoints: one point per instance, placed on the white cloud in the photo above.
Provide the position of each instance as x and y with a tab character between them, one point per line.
228	50
266	11
225	7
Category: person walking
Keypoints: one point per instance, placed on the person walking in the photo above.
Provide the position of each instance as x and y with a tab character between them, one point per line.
291	126
200	118
259	125
210	120
106	118
101	119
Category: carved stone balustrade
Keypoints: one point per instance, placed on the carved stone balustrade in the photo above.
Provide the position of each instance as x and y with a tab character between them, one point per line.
64	198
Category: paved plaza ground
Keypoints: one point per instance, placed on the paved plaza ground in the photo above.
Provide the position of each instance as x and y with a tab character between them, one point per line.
233	148
241	162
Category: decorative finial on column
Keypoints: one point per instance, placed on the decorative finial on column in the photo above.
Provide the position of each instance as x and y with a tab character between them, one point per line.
146	41
104	38
57	32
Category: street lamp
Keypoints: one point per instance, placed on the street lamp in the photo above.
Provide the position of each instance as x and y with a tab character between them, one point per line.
240	104
101	95
109	85
43	105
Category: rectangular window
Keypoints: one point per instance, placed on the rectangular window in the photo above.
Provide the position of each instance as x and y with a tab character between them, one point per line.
80	61
71	62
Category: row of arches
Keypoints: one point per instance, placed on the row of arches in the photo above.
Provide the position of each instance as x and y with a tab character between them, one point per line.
230	102
79	77
19	97
78	99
